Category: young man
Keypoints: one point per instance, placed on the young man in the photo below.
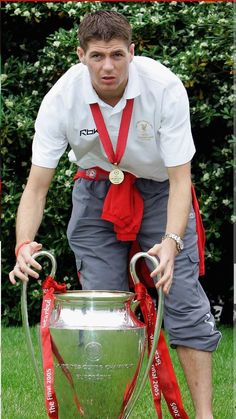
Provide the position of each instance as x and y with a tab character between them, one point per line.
127	121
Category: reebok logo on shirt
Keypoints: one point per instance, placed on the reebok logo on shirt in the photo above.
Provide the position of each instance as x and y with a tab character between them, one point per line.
86	131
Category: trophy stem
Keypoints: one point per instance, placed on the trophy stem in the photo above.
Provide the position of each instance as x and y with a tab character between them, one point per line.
159	318
25	322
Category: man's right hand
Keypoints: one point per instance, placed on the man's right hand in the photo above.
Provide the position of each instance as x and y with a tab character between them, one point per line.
24	262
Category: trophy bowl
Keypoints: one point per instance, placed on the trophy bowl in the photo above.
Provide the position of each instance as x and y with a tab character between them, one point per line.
98	347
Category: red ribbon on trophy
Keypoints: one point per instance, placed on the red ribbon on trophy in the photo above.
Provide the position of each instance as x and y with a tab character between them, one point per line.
49	348
162	375
48	369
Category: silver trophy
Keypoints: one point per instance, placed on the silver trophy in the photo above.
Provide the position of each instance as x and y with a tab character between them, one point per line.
101	345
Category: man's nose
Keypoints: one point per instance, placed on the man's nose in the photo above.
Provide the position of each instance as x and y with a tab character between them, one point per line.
108	64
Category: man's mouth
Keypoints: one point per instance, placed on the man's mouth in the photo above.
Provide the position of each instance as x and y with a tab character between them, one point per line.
108	78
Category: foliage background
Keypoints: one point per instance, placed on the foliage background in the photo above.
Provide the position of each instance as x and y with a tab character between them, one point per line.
195	40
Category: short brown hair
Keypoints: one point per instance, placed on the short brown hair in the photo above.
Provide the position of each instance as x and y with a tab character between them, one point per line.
104	25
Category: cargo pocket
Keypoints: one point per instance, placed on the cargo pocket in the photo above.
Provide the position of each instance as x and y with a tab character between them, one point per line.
193	257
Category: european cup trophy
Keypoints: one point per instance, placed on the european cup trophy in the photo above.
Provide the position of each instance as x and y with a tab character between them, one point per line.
98	347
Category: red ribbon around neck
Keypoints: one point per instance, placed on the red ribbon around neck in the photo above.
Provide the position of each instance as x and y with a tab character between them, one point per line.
113	157
123	205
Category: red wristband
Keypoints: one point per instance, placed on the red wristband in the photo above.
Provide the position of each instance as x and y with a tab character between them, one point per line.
20	246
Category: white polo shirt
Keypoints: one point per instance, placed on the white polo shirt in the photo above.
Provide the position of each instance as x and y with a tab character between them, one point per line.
159	135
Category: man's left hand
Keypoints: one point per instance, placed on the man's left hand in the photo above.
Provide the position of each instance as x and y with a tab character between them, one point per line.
166	252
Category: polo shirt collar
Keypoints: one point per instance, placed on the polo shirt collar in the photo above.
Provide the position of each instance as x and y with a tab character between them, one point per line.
132	89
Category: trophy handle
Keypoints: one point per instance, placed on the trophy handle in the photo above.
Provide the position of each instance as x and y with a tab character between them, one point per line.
158	325
24	313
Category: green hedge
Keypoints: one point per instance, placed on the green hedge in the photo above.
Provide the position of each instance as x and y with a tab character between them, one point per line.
195	40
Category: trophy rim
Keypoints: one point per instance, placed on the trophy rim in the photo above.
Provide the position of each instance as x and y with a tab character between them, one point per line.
95	295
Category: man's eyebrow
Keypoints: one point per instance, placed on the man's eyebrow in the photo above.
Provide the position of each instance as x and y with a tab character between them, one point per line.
119	50
95	51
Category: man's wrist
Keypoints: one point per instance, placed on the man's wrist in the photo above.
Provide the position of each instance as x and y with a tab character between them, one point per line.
20	245
178	241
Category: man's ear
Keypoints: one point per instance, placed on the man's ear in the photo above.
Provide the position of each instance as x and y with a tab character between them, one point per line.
131	51
81	55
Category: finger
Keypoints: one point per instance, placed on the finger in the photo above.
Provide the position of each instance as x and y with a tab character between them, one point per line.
166	269
162	268
25	268
35	246
28	271
157	271
32	262
154	250
12	278
25	261
167	287
165	283
167	275
16	272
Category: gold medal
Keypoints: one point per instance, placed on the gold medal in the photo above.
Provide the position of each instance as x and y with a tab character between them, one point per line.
116	176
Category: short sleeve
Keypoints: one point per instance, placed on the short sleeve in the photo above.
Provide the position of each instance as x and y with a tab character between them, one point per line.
176	141
50	140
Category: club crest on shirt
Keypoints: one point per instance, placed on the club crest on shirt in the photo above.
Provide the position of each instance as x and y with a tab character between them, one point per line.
144	130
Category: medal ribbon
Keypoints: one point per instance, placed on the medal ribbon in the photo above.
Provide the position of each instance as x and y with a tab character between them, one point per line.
113	157
123	204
